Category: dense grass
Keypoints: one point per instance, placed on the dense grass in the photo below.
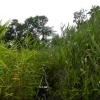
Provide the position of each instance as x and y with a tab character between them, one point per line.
19	75
72	66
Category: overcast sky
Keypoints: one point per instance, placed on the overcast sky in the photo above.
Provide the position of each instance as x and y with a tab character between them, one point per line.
57	11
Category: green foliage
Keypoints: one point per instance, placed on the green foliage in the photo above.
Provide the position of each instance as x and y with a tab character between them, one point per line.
72	64
79	17
33	27
3	30
19	76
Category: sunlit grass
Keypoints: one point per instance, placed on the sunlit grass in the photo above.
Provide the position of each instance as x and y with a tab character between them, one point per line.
72	66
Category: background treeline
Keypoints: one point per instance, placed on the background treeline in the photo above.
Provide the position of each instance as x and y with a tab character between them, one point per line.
33	27
72	60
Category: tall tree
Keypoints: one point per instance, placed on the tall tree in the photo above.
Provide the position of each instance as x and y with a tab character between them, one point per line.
34	27
37	26
14	31
79	17
94	14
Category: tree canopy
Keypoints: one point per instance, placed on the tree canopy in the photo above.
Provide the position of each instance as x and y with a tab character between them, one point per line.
33	27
